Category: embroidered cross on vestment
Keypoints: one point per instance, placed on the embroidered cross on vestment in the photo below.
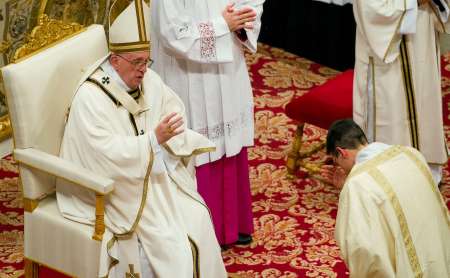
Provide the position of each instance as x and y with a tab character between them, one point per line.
132	274
105	80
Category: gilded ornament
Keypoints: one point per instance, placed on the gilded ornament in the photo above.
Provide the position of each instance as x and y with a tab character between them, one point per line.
47	33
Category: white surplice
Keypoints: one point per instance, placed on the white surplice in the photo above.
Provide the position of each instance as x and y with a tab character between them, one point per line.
392	220
203	62
164	217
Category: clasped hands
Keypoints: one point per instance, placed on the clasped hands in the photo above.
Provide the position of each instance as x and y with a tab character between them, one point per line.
169	127
239	19
334	175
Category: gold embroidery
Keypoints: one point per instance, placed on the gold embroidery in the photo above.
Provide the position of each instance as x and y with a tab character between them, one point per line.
182	189
132	274
140	20
378	159
436	13
195	258
194	152
381	180
395	33
114	261
109	245
374	115
203	150
409	90
116	9
97	84
143	200
129	47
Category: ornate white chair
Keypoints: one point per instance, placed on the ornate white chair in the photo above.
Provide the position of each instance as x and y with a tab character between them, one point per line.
39	88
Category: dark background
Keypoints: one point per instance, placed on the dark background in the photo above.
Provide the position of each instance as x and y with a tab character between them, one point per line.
321	32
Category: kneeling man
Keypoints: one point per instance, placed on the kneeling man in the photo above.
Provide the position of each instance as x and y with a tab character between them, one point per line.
392	220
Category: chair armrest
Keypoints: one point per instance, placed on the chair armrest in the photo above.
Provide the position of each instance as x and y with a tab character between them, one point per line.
64	169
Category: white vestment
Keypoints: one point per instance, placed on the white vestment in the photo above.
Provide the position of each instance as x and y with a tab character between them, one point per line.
397	86
155	202
203	62
392	220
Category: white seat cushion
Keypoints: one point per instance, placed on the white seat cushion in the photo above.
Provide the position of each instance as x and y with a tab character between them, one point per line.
65	245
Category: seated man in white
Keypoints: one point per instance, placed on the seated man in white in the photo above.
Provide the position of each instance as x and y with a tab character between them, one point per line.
127	125
392	220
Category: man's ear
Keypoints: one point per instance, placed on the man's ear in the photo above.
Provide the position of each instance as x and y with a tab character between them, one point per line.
113	59
342	152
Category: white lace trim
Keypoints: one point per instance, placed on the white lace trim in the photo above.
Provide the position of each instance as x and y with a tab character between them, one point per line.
228	129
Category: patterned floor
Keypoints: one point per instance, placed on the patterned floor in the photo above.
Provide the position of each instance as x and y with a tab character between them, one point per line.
294	219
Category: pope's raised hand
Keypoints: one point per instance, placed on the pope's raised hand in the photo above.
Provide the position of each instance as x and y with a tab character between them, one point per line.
169	127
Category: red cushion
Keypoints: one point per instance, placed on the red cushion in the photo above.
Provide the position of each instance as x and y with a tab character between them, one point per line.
324	104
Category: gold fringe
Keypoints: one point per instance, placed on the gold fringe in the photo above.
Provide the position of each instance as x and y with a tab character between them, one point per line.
381	180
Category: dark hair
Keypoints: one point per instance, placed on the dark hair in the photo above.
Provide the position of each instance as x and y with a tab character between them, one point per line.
345	134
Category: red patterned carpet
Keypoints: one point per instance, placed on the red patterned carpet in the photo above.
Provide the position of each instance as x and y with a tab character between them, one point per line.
294	219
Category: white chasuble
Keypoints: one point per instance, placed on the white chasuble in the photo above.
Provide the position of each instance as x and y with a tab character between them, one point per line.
155	205
392	220
203	62
397	85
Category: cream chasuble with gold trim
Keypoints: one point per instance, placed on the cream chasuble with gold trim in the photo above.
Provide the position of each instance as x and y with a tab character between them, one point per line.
392	220
155	201
155	208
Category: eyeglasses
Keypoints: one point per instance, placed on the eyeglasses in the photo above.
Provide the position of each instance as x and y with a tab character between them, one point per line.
138	63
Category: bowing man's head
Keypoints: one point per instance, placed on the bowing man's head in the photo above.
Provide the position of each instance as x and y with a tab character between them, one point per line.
129	40
344	139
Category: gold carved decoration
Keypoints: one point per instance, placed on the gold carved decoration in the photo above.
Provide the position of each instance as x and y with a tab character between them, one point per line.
5	123
31	269
4	46
29	205
47	33
5	127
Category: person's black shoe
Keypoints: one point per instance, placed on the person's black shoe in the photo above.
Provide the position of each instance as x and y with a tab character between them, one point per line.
224	247
244	239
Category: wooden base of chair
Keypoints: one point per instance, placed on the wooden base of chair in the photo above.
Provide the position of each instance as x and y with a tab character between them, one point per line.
31	269
295	156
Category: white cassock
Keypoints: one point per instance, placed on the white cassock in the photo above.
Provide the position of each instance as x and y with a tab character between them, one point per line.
155	202
392	220
203	62
397	86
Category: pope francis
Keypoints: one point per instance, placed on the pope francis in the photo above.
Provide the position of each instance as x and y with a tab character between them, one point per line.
126	124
